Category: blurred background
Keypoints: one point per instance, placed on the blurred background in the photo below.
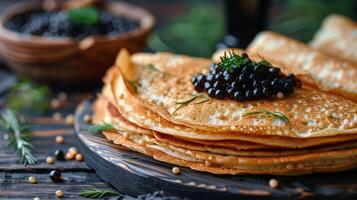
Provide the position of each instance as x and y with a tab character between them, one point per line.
192	27
195	27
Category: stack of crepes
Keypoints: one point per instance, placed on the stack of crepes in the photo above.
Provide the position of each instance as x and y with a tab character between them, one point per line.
152	108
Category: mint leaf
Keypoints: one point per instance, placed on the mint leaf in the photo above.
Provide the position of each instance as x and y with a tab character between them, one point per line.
88	16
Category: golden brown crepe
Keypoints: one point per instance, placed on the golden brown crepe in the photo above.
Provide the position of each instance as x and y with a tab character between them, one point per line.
337	36
330	73
214	135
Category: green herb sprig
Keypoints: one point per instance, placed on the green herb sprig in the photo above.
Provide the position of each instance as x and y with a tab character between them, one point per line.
27	95
234	60
94	129
231	60
88	16
191	100
135	85
277	115
94	193
19	138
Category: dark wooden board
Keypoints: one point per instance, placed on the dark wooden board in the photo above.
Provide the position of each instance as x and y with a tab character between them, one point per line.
77	175
134	174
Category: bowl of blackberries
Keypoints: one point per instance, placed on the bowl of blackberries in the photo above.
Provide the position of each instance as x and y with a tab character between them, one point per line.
70	42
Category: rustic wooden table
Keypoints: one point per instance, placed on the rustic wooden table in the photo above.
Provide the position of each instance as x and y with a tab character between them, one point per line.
77	175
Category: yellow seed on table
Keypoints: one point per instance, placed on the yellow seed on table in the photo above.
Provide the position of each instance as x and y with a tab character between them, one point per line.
176	170
280	95
79	157
69	119
62	96
36	198
59	139
55	104
273	183
59	193
87	118
57	116
70	156
32	180
50	160
73	150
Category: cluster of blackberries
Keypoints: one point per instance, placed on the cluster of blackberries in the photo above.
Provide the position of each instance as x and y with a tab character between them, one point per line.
246	81
57	24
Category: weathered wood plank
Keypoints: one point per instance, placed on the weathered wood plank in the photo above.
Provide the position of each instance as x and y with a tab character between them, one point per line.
16	186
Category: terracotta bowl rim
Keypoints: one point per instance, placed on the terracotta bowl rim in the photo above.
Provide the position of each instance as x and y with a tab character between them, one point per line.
146	20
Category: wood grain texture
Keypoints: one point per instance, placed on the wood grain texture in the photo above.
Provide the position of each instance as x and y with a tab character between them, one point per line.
135	173
77	175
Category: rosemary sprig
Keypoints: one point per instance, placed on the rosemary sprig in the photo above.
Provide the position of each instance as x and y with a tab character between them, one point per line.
277	115
191	100
99	128
94	193
19	138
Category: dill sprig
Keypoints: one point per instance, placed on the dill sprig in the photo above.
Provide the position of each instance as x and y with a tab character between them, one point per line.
94	129
191	100
94	193
19	138
277	115
233	60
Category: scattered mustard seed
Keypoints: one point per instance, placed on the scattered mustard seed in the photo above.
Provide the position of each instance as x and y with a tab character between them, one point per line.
273	183
176	170
59	139
32	180
69	119
87	118
50	160
73	150
59	193
79	157
57	116
70	156
55	104
280	95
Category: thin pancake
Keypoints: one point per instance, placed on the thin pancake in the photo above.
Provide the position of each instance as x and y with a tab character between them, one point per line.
331	73
291	165
147	119
337	37
312	113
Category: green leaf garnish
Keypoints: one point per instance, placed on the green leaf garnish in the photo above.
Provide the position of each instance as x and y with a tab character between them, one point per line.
19	138
231	61
88	16
191	100
277	115
234	60
99	128
94	193
135	85
27	95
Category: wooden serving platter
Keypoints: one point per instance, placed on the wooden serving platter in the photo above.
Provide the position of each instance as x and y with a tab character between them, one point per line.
135	174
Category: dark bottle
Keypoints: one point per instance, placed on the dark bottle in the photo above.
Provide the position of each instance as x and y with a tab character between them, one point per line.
244	19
